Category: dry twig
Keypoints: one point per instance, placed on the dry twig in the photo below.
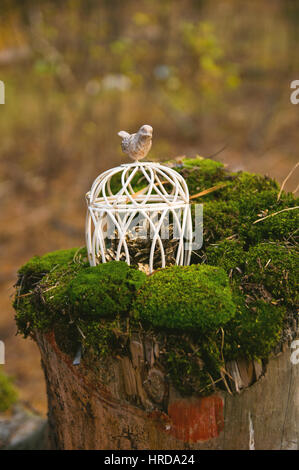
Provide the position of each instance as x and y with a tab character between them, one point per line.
286	179
275	213
207	191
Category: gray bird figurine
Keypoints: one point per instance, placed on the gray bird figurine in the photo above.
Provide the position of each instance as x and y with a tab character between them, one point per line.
139	144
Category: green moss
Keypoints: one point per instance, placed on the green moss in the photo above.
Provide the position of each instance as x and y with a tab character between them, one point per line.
97	337
106	290
205	165
234	304
8	393
225	219
220	220
39	305
282	226
33	271
104	336
233	209
192	361
227	254
254	331
73	290
55	288
190	297
245	183
267	270
276	267
185	368
202	173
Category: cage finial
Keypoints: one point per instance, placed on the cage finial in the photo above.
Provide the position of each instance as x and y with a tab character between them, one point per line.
139	144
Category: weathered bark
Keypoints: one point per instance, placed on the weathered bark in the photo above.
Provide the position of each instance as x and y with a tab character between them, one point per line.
127	403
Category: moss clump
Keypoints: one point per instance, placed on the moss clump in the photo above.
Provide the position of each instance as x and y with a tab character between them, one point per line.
202	173
267	271
196	296
75	290
243	183
44	264
106	290
241	199
42	298
103	336
237	217
189	368
208	168
276	267
255	329
280	227
227	254
8	393
220	220
238	302
36	268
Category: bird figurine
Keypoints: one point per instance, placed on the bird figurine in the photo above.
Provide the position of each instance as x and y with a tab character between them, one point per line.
139	144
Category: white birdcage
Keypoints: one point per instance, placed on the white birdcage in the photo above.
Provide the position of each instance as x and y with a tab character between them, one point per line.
149	227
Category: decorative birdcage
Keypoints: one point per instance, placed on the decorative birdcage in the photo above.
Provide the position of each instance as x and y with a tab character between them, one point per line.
139	213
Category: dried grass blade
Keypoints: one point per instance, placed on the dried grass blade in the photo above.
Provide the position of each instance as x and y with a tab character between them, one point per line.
286	179
208	191
275	213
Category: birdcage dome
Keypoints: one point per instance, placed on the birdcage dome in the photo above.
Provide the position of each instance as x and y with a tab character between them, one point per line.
139	213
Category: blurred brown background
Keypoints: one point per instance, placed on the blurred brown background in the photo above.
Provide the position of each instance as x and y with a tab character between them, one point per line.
211	77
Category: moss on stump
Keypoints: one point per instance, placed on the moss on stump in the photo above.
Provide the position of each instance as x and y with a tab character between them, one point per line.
191	297
235	300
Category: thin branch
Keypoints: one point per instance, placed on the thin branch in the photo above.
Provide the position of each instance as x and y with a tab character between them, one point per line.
210	385
23	295
286	179
81	332
296	189
222	343
275	213
207	191
222	373
218	151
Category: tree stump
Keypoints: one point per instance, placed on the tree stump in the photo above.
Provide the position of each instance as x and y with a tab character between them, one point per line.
128	403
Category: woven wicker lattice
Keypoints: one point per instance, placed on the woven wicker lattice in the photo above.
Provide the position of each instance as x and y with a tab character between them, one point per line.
149	227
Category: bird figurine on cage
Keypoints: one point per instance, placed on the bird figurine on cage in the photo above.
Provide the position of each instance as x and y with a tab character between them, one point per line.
150	228
139	144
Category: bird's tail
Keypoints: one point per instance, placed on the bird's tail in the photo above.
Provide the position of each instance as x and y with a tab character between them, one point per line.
123	134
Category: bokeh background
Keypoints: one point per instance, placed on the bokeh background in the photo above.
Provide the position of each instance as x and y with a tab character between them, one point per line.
211	76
